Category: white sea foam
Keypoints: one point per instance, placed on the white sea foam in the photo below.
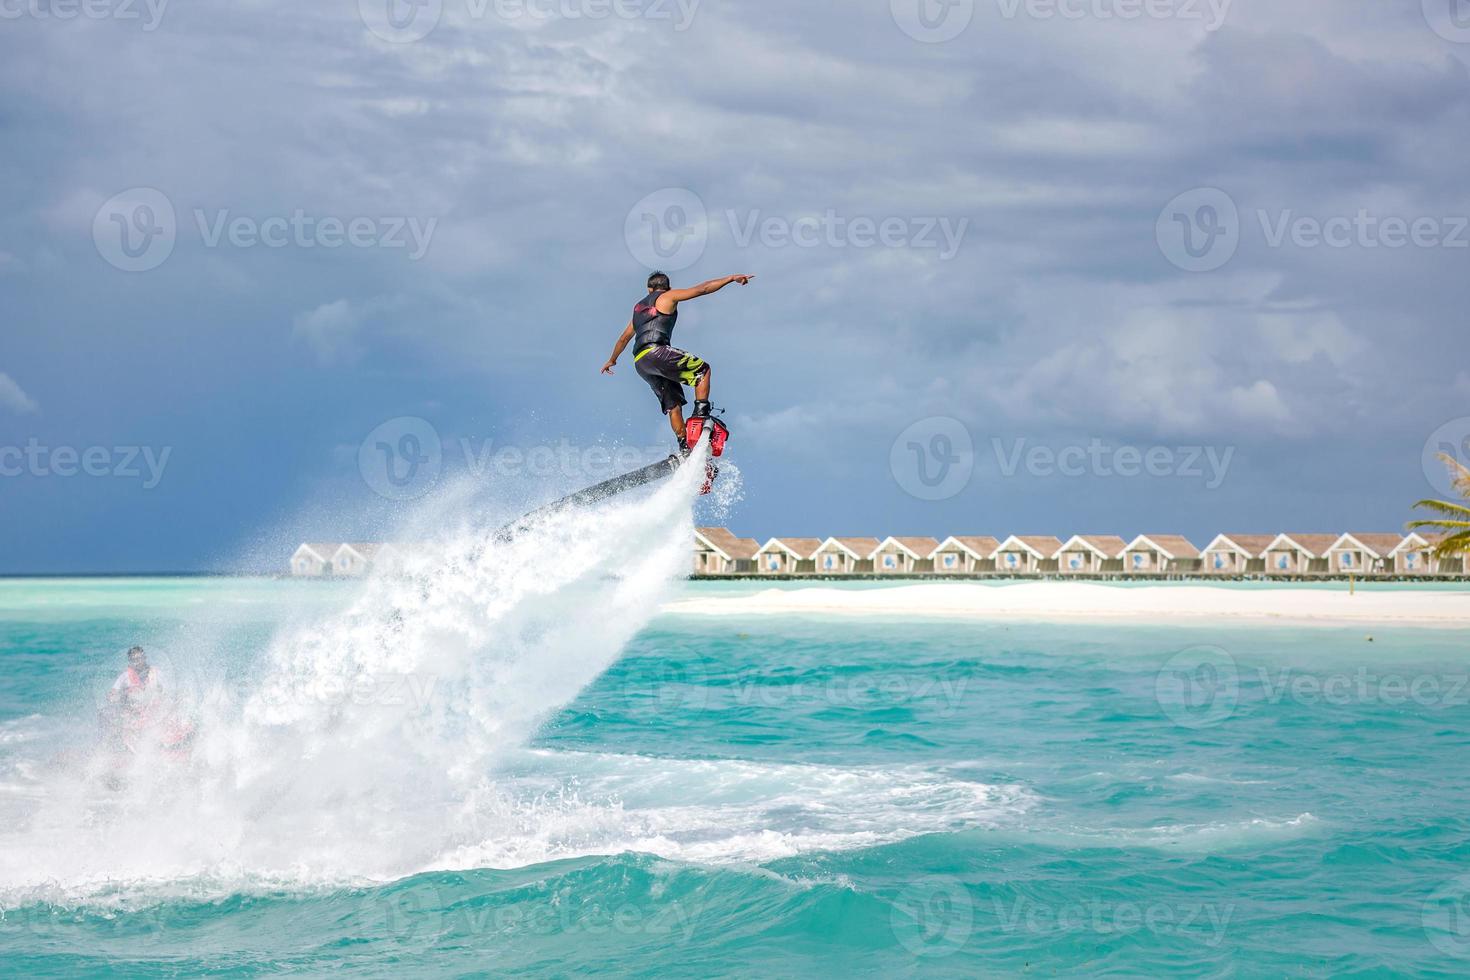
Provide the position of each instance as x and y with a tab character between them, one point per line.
1201	838
385	731
726	810
367	742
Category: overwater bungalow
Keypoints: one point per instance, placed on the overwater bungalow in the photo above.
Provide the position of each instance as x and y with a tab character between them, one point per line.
1363	554
1453	565
904	556
354	560
1090	554
1027	554
718	551
313	559
787	556
964	555
1161	554
1236	554
1412	556
1299	554
846	556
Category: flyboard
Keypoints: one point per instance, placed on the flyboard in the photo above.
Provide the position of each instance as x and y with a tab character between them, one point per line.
694	430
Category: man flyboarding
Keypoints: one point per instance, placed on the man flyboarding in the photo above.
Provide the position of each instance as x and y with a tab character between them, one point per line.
666	368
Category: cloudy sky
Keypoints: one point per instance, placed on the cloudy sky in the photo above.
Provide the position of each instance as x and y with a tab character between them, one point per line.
269	269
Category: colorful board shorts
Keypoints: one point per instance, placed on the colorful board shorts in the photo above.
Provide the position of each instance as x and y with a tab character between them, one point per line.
667	370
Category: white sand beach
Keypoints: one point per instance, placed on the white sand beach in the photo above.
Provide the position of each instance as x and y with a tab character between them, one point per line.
1079	602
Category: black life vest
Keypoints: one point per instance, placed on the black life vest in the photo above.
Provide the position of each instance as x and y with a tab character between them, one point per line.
650	327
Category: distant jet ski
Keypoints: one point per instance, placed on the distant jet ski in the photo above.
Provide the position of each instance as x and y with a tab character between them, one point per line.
162	735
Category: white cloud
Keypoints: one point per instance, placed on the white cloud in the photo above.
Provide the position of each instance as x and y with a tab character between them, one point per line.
331	331
13	397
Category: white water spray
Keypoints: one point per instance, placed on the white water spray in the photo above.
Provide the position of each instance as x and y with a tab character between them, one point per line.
368	742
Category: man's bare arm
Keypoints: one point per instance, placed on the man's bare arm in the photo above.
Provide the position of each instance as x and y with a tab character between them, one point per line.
673	297
618	348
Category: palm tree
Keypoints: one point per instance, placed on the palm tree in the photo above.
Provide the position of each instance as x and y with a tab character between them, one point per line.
1453	524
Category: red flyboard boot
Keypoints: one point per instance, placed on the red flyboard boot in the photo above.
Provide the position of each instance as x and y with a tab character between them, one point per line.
695	427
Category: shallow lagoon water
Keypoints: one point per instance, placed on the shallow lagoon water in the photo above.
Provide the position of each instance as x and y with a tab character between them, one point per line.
795	796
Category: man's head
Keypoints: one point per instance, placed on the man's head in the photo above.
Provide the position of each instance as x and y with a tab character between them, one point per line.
136	658
658	282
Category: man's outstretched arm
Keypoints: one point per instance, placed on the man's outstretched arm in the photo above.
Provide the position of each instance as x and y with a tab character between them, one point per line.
619	347
674	297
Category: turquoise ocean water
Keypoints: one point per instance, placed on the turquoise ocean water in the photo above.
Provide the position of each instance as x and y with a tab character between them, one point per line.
783	797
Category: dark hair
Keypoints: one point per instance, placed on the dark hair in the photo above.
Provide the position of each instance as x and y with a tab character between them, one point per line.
135	650
658	281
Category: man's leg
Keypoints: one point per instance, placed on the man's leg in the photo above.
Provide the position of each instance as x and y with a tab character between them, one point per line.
701	390
676	422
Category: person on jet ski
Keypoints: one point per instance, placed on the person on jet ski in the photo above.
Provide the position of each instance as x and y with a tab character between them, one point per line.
139	687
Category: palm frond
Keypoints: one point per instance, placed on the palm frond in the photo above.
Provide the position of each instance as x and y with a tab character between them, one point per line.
1459	474
1441	525
1453	546
1443	507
